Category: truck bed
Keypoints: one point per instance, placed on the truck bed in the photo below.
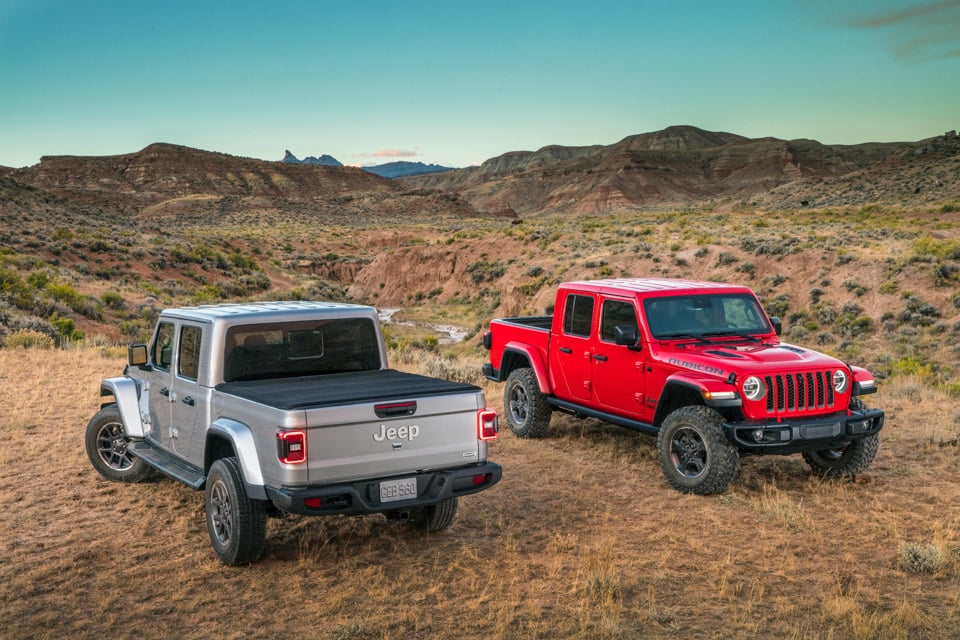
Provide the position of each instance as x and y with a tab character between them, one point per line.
342	388
544	323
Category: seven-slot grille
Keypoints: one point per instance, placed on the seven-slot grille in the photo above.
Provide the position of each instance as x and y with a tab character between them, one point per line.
804	391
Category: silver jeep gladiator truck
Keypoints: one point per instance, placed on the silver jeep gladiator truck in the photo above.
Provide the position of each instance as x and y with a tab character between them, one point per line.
290	407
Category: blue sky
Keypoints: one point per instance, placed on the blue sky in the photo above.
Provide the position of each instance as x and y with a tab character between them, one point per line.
456	83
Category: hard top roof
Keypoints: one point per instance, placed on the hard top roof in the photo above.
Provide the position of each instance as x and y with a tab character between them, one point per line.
652	286
265	311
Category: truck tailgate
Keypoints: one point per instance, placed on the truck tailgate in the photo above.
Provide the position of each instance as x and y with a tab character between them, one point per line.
376	423
351	442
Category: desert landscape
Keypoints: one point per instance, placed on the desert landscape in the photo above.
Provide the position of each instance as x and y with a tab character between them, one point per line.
856	247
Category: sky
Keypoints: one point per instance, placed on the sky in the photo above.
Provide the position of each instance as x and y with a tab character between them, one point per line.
455	83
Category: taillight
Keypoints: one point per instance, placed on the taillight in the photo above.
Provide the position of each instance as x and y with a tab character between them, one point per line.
487	424
292	447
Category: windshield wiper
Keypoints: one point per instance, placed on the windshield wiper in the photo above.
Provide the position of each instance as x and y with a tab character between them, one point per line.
739	334
681	335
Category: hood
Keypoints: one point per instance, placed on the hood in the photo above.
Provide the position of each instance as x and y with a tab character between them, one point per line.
723	358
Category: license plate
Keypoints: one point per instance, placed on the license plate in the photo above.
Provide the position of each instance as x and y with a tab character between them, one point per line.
393	490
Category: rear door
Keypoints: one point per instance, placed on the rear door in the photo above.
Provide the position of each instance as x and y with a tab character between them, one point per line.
571	350
618	376
185	392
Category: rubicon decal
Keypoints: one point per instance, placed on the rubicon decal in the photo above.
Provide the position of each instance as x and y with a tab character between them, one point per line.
397	433
696	366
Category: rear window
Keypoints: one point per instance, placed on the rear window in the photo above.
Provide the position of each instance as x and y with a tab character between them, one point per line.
578	315
315	347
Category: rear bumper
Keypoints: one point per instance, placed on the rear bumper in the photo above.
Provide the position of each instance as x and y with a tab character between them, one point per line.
363	496
803	434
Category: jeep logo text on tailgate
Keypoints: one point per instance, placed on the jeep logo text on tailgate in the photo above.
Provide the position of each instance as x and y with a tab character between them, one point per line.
397	433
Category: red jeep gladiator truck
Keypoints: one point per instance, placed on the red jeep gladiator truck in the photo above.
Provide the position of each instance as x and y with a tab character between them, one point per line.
698	364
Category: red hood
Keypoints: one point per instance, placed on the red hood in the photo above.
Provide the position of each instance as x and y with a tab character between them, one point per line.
744	358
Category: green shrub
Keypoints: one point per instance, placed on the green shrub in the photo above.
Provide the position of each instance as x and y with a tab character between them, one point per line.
28	339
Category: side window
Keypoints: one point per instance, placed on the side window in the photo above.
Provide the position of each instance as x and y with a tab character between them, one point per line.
613	314
578	315
188	361
163	346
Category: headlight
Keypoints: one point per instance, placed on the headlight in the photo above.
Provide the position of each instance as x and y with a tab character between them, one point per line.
840	380
753	388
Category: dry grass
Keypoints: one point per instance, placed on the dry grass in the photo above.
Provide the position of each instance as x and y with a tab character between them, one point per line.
582	538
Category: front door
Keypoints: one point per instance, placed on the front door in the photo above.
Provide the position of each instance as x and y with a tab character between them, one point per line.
618	377
155	403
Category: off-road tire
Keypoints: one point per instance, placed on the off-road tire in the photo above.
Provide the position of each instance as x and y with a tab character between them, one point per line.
436	517
694	453
237	524
526	408
847	461
106	443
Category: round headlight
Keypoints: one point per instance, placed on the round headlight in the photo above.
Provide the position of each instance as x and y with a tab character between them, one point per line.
753	388
840	380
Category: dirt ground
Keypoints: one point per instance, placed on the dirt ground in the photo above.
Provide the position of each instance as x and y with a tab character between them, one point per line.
582	538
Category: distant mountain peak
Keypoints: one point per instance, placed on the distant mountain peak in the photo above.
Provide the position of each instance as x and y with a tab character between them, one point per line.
403	168
325	160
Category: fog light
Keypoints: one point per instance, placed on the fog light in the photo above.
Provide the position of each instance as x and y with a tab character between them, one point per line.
758	435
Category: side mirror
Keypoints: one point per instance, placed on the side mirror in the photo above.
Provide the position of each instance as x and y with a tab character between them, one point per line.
625	335
137	355
777	325
166	356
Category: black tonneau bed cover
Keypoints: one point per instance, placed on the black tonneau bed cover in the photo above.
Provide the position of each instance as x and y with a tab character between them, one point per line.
342	388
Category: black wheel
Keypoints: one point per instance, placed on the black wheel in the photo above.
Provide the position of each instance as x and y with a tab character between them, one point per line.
848	461
436	517
237	524
106	443
694	453
528	413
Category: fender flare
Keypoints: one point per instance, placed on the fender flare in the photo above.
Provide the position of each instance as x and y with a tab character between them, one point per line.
244	445
532	356
126	391
701	386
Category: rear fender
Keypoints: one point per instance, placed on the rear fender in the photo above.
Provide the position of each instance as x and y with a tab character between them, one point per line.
127	394
517	351
244	447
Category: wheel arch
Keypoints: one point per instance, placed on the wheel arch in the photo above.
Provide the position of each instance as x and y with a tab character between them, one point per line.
517	355
676	394
126	394
226	438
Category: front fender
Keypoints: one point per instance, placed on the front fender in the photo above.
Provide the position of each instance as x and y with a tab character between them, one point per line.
127	394
863	381
245	448
683	388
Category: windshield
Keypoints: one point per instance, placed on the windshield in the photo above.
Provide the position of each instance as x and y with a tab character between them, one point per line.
285	349
696	316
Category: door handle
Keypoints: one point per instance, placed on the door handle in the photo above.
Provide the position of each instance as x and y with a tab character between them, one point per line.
600	358
187	400
165	392
565	350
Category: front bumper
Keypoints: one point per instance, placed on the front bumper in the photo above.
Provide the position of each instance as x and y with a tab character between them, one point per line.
363	496
803	434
